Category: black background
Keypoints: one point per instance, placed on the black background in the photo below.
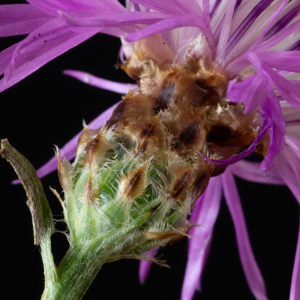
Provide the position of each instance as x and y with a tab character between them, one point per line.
47	109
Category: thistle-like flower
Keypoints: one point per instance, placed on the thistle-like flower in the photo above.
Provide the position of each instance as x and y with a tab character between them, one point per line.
217	80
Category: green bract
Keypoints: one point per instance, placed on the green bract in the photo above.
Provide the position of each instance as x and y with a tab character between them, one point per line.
109	186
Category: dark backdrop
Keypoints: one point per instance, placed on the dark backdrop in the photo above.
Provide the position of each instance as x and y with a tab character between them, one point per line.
47	109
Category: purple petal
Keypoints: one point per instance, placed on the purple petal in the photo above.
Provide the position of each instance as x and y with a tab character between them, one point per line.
205	214
206	12
19	12
253	90
279	37
218	17
247	22
292	128
225	31
22	27
237	157
251	270
294	144
288	167
187	20
111	5
162	6
283	22
51	6
121	54
20	19
276	131
172	6
206	19
5	57
295	46
121	88
189	6
251	171
136	7
252	34
42	45
268	25
289	91
214	7
291	114
69	148
282	60
96	19
37	43
237	5
145	266
217	32
295	287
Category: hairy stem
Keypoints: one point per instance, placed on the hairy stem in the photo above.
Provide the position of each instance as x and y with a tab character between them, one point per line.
83	261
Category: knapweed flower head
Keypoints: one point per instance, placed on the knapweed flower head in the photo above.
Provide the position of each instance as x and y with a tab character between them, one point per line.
216	81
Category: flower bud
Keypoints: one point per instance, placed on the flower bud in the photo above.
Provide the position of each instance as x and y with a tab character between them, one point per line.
146	157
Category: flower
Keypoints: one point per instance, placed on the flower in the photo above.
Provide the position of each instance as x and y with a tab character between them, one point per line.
255	44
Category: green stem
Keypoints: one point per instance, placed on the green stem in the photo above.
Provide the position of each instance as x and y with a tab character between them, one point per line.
83	261
81	267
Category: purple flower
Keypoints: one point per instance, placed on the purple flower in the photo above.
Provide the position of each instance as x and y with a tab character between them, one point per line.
255	43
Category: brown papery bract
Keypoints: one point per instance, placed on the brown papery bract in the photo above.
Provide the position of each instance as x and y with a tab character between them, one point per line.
87	135
96	150
135	106
150	137
65	170
134	184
